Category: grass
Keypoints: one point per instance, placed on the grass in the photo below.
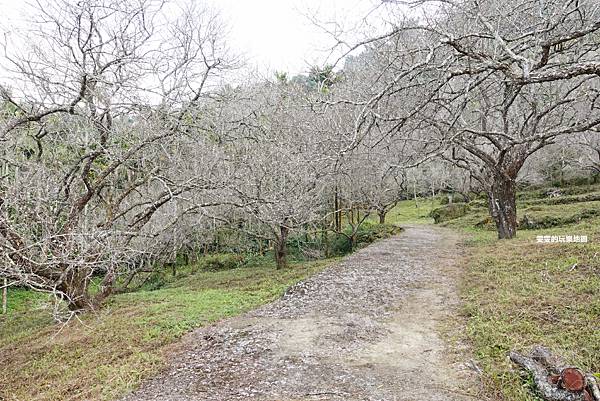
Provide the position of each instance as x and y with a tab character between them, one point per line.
105	354
516	294
523	293
109	352
411	212
519	293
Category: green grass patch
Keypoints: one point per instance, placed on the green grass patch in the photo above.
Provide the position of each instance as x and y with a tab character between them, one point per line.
449	212
413	212
519	293
109	352
367	233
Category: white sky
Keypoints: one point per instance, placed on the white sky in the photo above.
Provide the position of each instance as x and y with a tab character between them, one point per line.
278	35
271	34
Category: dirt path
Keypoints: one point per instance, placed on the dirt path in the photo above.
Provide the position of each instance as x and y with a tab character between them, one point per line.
365	329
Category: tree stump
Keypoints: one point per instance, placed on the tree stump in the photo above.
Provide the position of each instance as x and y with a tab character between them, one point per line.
572	379
554	379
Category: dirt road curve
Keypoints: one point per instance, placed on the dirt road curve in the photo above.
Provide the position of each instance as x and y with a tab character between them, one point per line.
365	329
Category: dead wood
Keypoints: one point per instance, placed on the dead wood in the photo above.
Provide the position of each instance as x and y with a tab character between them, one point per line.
553	363
593	386
540	376
572	379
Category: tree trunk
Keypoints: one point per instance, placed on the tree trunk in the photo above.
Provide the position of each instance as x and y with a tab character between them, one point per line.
325	242
502	205
337	215
281	248
415	193
382	215
4	295
75	288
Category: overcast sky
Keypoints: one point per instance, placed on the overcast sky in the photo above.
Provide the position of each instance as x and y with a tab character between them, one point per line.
271	34
278	35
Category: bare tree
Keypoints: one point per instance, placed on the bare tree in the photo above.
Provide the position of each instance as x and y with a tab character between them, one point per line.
589	158
497	81
279	178
101	98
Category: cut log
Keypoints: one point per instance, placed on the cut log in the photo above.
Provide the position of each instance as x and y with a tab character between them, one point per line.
540	376
562	382
572	379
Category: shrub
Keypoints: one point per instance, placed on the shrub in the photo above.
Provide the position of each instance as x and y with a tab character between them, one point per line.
221	261
339	245
482	203
573	182
564	200
305	246
367	233
255	260
371	232
486	223
529	223
449	212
